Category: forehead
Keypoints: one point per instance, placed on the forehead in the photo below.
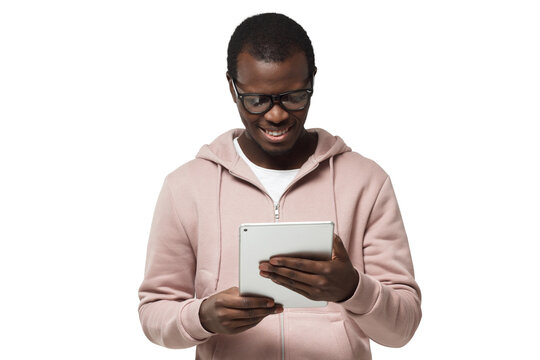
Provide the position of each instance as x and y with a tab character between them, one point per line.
272	77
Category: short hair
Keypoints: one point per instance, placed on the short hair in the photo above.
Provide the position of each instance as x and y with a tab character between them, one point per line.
270	37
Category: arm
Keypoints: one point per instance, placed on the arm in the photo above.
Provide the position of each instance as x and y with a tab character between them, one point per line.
168	311
382	299
386	303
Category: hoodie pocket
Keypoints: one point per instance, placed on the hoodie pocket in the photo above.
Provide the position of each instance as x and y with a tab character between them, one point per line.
312	335
261	342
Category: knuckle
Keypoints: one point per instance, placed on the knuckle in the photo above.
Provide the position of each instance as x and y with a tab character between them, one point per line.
291	274
221	313
326	270
226	323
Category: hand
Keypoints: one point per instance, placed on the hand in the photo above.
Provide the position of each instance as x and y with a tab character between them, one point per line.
332	280
228	312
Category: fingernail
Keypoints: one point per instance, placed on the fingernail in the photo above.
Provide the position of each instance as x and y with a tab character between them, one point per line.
278	310
269	304
274	262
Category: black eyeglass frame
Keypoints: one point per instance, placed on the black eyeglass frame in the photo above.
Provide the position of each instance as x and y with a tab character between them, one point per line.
274	98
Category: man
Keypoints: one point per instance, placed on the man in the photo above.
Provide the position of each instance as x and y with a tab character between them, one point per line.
276	170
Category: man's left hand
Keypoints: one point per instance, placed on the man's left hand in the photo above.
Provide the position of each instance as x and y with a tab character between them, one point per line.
331	280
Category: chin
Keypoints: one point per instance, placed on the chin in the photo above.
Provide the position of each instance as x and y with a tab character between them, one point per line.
277	152
279	149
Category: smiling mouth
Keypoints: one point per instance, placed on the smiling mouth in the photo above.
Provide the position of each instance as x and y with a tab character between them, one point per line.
274	133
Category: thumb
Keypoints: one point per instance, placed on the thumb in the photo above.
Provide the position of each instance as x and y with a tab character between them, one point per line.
338	249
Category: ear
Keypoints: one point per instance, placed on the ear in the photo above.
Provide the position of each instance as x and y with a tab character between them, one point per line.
313	77
231	88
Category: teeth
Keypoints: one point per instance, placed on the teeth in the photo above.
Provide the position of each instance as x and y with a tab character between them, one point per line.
276	133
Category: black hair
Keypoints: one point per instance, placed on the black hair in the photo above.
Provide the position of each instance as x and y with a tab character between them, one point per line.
269	37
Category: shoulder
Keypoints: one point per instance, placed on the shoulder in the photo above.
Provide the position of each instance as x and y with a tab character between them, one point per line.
192	176
358	166
193	168
358	177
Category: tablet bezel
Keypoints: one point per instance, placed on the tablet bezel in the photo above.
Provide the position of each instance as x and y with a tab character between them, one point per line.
310	239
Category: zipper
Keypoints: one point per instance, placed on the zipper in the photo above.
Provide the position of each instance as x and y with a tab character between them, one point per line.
235	174
276	219
281	319
282	336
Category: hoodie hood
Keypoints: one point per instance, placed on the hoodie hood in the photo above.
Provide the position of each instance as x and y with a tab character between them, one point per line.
222	151
193	253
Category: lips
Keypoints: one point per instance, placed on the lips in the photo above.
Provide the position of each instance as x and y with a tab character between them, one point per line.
278	132
276	135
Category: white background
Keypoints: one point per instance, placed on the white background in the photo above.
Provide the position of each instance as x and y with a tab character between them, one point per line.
99	100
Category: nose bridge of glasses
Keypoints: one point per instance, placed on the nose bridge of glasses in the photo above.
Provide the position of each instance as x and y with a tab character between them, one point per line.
275	100
276	112
275	97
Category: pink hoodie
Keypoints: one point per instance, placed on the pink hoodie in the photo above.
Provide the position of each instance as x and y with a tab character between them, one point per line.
193	253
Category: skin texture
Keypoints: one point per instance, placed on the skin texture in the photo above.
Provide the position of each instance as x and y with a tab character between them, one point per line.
228	312
333	280
255	76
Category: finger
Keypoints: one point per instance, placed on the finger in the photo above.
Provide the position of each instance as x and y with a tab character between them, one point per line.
302	289
338	249
239	329
269	271
234	326
315	286
304	265
245	302
238	314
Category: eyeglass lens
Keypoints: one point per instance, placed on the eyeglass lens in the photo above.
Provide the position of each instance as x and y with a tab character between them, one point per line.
295	100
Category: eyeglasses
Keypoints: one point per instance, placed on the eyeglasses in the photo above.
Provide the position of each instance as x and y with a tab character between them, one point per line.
260	103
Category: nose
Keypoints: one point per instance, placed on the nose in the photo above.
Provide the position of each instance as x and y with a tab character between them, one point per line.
276	114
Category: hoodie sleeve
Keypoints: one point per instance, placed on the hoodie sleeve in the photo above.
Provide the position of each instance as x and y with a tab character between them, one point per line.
168	311
386	303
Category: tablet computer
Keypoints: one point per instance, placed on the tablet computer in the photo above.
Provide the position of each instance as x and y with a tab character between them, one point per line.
259	242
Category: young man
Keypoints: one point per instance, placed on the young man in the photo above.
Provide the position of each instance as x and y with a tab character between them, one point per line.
276	170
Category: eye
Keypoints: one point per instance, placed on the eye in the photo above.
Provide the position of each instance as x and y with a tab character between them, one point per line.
296	97
255	101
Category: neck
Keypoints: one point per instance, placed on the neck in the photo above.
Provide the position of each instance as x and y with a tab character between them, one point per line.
292	159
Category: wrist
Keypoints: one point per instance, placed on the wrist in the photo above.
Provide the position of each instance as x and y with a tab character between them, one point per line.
203	318
354	286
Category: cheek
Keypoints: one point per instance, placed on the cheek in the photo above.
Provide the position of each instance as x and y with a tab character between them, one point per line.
248	121
301	117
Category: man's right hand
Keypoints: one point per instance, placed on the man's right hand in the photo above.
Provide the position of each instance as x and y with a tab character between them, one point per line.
228	312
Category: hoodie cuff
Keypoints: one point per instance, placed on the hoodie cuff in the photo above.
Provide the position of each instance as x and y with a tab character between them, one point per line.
365	296
191	323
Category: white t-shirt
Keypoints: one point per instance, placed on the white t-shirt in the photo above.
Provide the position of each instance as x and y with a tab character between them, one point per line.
274	181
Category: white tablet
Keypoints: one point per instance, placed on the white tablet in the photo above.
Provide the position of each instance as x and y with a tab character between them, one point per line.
259	242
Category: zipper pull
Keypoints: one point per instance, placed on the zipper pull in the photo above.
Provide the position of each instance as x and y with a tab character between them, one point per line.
276	212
